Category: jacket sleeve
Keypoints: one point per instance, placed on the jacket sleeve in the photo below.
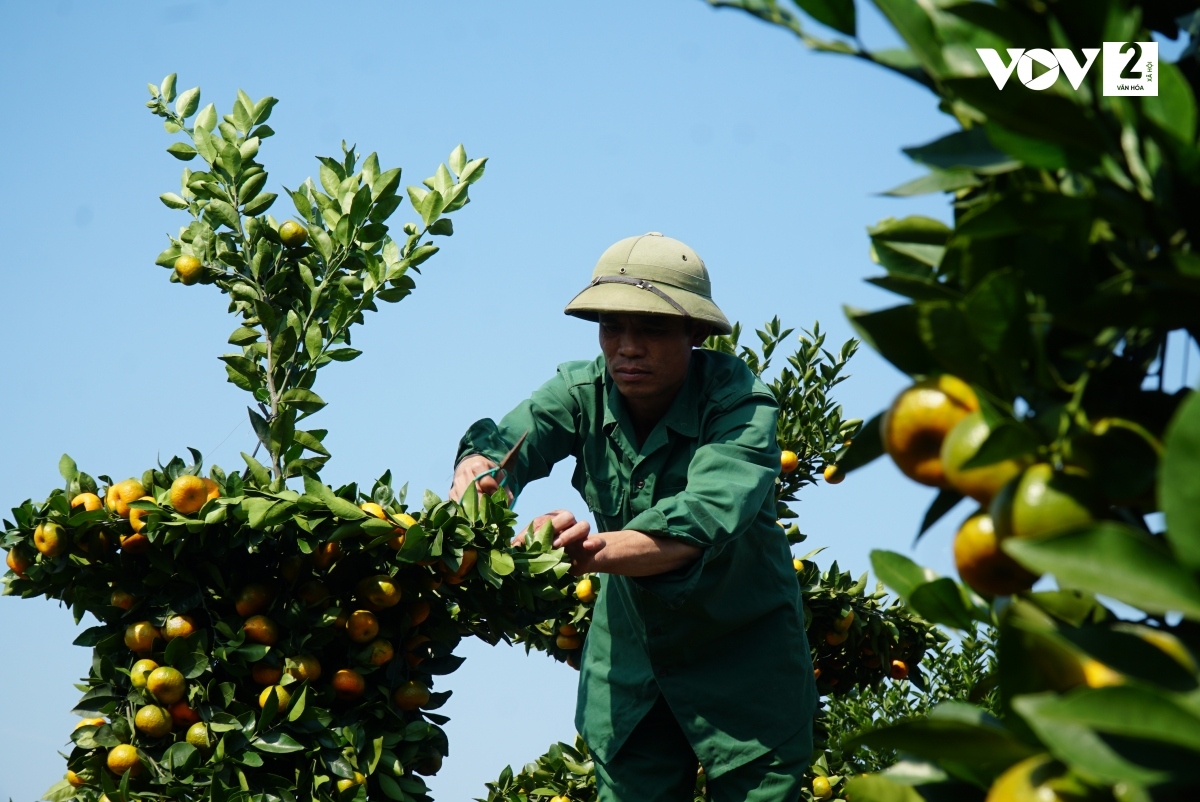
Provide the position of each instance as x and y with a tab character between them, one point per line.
729	479
550	416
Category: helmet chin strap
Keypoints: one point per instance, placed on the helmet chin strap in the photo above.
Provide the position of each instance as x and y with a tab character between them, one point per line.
641	284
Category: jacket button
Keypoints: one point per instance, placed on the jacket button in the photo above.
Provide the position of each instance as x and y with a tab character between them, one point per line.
639	484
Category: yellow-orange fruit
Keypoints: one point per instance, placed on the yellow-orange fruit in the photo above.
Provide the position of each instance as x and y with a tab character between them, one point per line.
362	626
282	697
124	758
917	422
266	674
252	599
137	518
188	494
411	695
348	684
788	461
305	667
260	629
117	497
178	626
18	562
982	564
189	269
89	501
50	539
166	684
140	637
122	599
380	652
963	443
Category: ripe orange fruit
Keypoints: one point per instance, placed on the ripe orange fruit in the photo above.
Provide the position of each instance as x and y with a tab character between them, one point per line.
348	684
468	562
292	234
381	591
197	736
415	650
124	758
188	494
75	780
960	445
833	475
585	592
419	612
117	497
821	788
18	562
834	638
568	642
917	422
327	555
135	544
312	593
266	674
305	667
214	490
50	539
788	461
89	501
140	672
899	670
411	695
380	652
1043	502
260	629
166	684
568	630
178	626
182	715
982	564
122	599
291	567
252	599
1098	675
1027	780
371	508
140	637
281	696
189	269
362	626
844	623
345	784
90	722
797	564
137	518
153	721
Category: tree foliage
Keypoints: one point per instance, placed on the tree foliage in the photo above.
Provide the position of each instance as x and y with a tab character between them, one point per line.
1068	269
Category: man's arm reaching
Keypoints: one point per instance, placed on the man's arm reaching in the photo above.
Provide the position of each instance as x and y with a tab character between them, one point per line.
626	552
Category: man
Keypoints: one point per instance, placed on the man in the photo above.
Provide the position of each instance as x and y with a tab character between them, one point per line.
697	648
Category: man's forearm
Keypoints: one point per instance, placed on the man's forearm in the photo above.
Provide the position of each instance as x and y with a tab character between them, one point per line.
631	553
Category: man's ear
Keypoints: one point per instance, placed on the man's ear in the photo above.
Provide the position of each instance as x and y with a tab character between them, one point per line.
700	333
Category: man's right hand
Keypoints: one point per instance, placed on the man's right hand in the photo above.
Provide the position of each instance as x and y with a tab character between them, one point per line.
467	470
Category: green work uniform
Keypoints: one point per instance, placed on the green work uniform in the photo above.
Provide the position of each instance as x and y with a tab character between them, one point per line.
722	639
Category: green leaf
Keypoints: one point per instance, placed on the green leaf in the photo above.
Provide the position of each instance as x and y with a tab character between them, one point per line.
277	743
501	562
188	102
876	788
261	475
304	400
943	502
936	181
260	204
182	151
310	442
894	334
1177	485
866	446
912	22
1114	560
223	213
1079	746
952	735
1174	108
836	14
1009	440
964	150
206	120
899	572
173	201
942	602
168	87
67	468
244	335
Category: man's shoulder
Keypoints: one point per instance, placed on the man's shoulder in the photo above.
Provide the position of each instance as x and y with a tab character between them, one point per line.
582	371
726	381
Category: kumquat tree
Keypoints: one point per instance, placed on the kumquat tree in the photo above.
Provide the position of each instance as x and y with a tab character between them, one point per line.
264	636
1036	329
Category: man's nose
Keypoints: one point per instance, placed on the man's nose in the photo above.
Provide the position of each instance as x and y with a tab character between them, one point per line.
630	346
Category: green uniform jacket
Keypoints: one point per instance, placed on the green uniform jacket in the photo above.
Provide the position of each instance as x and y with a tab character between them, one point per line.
721	639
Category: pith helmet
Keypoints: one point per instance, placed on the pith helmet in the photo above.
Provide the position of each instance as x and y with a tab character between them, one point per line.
650	275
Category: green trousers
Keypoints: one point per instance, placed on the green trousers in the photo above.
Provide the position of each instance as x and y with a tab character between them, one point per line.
657	764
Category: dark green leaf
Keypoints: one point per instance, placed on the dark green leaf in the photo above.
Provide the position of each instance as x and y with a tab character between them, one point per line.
964	151
1178	487
1115	560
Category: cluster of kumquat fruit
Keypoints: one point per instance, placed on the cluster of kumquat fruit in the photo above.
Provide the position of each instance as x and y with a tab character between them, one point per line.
248	636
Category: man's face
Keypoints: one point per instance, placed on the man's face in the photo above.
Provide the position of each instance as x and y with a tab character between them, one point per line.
648	355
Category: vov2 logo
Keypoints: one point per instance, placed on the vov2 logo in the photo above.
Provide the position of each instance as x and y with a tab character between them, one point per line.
1130	68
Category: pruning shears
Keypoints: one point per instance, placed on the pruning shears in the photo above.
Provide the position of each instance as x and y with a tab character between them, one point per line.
506	464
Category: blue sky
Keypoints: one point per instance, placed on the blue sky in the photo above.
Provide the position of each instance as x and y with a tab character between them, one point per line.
601	120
